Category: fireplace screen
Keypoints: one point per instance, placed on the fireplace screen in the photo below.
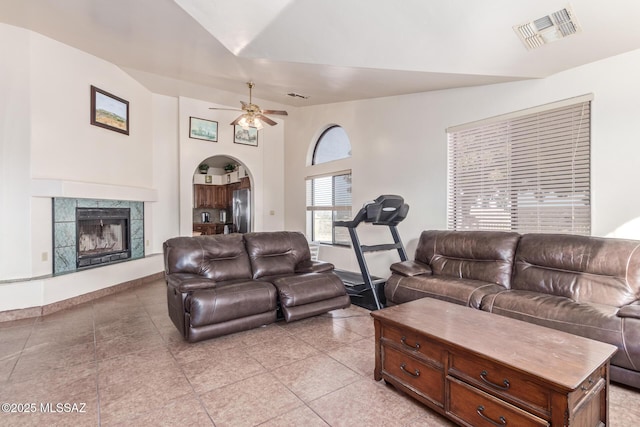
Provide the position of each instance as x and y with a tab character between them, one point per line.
103	235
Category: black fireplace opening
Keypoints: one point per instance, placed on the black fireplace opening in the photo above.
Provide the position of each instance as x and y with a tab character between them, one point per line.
103	236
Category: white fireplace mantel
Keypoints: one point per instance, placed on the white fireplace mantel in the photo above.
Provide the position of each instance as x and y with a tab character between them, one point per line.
89	190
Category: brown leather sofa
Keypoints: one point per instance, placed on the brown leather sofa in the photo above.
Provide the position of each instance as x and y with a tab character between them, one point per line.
588	286
221	284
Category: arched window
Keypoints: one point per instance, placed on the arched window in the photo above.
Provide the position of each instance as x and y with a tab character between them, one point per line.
333	144
329	194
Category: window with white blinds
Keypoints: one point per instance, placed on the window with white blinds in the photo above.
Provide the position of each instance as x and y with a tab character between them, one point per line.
527	172
328	200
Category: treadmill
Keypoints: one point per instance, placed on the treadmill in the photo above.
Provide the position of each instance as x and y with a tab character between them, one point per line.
386	210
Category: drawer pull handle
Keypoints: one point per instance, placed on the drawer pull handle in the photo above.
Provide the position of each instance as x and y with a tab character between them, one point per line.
403	340
483	377
585	388
502	422
414	374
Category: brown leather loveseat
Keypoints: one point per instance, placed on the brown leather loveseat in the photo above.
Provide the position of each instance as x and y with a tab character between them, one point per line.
587	286
220	284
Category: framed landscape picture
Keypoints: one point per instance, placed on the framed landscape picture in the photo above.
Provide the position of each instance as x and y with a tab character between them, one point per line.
108	111
248	136
206	130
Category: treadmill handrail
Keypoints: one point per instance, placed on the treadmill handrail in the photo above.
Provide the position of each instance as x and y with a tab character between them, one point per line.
384	210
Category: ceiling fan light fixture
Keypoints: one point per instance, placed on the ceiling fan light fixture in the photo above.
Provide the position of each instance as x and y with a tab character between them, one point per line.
253	115
257	124
247	121
243	123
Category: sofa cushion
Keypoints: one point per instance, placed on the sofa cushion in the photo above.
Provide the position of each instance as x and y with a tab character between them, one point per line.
596	321
400	289
219	257
308	288
306	295
276	253
230	302
583	268
478	255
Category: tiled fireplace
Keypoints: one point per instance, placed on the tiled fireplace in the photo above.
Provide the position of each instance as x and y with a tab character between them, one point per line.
90	233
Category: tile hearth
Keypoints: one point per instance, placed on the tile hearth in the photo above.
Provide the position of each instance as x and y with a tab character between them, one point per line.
122	357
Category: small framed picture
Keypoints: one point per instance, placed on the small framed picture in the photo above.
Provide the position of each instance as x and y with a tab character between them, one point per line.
208	179
248	136
109	111
206	130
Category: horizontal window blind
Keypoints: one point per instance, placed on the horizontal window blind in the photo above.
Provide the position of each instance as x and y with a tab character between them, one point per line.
527	173
328	200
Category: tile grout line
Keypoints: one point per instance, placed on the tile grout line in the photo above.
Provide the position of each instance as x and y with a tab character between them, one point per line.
179	365
95	355
33	326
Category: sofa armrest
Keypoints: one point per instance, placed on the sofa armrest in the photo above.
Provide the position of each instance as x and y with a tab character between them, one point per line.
185	282
314	267
410	268
630	310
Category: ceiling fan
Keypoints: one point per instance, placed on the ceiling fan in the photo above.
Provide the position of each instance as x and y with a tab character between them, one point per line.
252	115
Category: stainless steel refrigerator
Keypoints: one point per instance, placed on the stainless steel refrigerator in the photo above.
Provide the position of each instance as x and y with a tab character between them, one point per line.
241	205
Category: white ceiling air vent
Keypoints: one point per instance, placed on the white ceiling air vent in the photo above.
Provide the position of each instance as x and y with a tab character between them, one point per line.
549	28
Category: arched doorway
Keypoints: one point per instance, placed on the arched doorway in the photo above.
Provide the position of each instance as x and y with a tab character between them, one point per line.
222	198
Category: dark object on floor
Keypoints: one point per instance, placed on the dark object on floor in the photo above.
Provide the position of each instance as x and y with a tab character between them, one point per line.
360	294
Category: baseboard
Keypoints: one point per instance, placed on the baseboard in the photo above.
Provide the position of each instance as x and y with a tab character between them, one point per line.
25	313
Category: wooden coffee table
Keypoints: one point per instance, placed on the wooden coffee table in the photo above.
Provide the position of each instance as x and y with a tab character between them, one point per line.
482	369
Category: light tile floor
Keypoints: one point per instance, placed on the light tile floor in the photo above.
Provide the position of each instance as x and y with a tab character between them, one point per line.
122	362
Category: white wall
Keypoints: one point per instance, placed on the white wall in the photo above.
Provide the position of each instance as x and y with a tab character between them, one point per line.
47	138
264	163
164	215
15	152
64	145
399	147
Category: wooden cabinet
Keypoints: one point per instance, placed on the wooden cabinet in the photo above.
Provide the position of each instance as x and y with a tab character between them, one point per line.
208	229
210	196
481	369
203	196
217	196
221	198
245	183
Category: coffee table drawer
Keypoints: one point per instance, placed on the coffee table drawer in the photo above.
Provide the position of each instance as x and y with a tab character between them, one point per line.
589	387
501	381
422	378
480	409
411	342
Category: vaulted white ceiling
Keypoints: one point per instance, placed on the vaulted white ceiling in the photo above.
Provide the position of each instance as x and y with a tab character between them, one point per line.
329	50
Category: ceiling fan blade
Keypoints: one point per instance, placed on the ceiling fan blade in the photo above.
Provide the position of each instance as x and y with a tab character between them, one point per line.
266	119
278	112
225	109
